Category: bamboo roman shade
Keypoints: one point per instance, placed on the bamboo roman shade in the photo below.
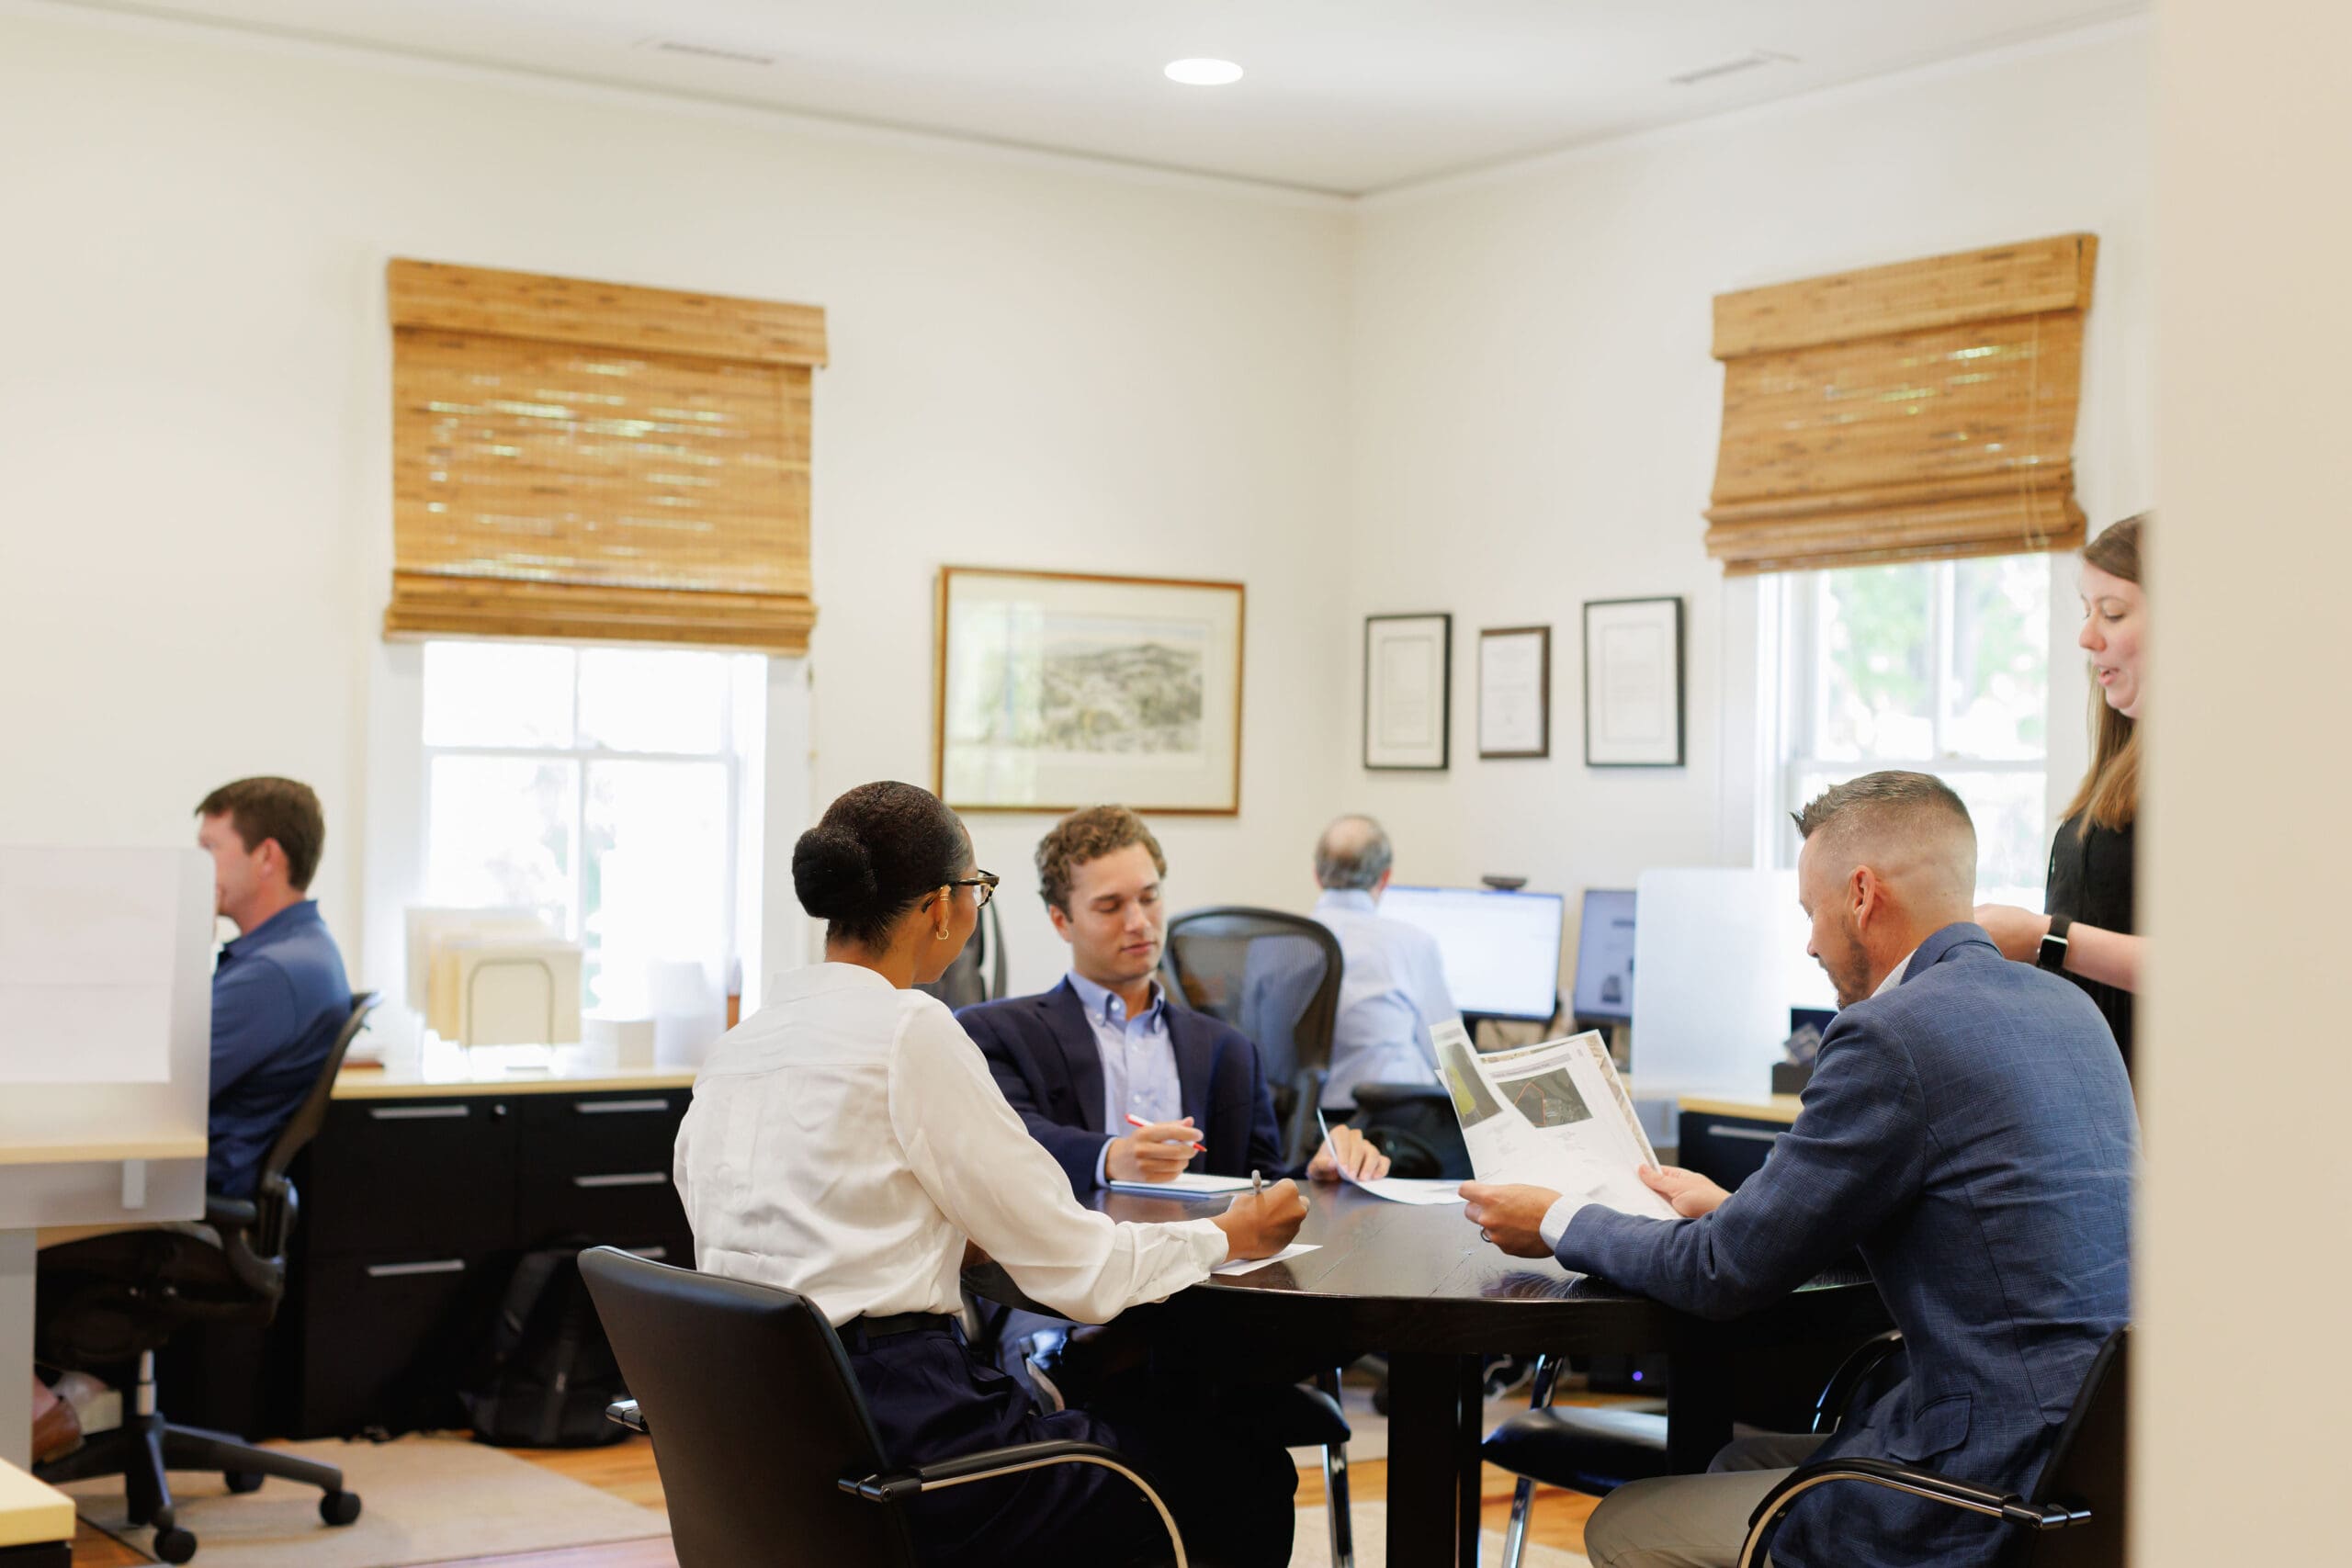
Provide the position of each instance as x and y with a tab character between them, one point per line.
590	460
1920	412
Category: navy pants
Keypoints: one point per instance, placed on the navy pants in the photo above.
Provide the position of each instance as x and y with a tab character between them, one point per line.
932	1399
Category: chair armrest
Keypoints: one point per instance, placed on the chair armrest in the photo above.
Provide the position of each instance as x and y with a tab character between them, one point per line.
625	1413
1935	1488
230	1214
989	1463
1829	1410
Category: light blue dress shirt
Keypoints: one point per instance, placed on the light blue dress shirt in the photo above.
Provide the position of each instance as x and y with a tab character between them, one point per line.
1138	1062
1392	989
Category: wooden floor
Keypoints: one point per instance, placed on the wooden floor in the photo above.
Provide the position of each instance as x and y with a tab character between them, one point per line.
625	1470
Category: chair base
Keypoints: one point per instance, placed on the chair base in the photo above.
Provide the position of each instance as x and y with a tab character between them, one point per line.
144	1447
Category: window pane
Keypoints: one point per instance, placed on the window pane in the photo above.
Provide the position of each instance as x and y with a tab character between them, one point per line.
497	694
1874	700
642	700
501	832
655	883
2000	658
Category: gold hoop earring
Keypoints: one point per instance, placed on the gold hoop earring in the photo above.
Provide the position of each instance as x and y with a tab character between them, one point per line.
941	935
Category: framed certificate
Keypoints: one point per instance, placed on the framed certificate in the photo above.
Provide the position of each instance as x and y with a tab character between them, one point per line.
1407	691
1633	683
1515	691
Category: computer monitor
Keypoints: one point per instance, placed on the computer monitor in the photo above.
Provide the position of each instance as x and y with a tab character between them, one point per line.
1604	988
1501	950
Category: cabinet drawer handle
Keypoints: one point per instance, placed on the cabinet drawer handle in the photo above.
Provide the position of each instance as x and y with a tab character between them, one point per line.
420	1112
631	1179
402	1270
1753	1134
619	1107
651	1254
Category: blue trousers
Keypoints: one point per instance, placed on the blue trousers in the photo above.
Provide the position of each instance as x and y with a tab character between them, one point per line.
932	1398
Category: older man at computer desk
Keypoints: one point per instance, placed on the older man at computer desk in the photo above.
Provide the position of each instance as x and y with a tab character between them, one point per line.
1968	1127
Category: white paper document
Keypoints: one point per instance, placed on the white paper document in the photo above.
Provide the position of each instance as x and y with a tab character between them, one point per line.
1552	1115
1187	1185
1406	1189
1244	1265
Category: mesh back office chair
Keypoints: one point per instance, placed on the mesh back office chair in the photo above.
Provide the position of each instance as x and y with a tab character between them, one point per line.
766	1450
119	1297
977	974
2075	1518
1275	977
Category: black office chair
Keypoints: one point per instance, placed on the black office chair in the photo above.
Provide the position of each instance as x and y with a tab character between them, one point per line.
1275	977
977	974
760	1434
119	1298
2075	1518
1596	1451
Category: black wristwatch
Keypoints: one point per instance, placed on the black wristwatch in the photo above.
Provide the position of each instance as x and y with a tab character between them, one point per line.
2052	955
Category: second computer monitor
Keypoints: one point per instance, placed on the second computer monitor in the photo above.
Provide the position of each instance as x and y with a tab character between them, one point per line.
1501	950
1604	988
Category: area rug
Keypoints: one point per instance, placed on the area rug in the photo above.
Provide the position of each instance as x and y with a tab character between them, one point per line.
1311	1546
424	1499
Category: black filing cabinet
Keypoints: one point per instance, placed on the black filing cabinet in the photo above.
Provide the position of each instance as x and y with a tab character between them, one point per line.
415	1209
1725	1149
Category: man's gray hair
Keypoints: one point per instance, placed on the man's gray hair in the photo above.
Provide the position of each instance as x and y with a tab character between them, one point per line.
1353	854
1893	799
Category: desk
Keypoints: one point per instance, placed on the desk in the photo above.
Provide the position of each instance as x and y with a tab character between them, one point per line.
430	1176
102	1180
36	1522
1416	1282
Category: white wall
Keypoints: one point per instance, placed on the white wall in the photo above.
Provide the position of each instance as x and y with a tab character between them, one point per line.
2245	1372
1536	412
1036	362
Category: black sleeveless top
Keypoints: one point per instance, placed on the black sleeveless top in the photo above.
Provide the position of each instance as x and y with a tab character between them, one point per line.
2090	881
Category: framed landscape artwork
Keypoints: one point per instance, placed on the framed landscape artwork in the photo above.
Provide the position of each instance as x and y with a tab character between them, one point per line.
1056	691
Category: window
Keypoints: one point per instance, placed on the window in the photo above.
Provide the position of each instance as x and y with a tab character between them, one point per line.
606	787
1942	667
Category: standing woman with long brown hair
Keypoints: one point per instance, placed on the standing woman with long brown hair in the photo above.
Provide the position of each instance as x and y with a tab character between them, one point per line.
2088	933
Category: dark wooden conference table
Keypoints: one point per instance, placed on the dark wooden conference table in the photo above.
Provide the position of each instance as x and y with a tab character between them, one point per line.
1415	1283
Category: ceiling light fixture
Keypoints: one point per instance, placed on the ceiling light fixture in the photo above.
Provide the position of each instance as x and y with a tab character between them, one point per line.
1204	72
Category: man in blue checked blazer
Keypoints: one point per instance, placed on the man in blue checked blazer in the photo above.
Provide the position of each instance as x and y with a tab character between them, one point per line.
1970	1128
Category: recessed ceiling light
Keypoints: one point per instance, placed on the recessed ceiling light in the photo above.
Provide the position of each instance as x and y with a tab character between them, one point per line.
1204	72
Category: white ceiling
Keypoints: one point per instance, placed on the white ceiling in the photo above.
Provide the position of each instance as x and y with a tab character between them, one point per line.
1342	96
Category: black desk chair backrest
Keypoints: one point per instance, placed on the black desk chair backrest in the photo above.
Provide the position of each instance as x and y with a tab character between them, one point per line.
277	1204
1275	977
977	974
754	1413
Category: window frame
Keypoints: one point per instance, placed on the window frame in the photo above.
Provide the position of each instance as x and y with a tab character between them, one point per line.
748	676
1792	633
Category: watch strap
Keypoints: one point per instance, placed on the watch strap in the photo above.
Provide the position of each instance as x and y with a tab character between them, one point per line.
2052	953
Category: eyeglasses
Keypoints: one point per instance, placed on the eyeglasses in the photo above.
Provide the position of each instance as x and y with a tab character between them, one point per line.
986	881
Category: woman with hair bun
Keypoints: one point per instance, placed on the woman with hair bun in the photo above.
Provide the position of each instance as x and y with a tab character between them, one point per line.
846	1142
2087	935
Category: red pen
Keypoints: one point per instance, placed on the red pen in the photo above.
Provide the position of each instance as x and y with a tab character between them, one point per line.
1135	1121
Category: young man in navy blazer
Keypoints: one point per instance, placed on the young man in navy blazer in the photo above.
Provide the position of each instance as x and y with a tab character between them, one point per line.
1106	1044
1970	1128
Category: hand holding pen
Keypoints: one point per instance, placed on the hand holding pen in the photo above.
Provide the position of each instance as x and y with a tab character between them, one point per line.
1154	1151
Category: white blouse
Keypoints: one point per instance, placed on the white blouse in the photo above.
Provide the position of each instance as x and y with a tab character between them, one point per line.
846	1139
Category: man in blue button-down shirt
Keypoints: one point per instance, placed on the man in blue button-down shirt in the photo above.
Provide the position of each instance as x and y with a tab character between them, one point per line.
280	995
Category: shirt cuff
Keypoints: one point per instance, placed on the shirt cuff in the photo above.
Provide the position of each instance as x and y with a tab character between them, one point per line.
1102	1163
1555	1223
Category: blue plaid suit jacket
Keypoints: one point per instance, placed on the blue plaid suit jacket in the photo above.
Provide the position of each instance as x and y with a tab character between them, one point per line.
1972	1133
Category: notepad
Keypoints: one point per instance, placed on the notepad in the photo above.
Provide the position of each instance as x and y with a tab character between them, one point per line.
1188	1185
1243	1265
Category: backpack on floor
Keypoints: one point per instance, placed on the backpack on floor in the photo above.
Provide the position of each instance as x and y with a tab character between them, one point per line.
548	1371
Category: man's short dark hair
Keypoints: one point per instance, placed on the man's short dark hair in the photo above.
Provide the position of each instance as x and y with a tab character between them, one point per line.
1084	836
1892	793
275	808
1352	855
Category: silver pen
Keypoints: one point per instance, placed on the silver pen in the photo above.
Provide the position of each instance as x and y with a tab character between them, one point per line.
1257	1184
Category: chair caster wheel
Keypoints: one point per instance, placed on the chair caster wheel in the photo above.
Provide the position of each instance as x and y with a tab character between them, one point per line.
174	1545
339	1508
243	1481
